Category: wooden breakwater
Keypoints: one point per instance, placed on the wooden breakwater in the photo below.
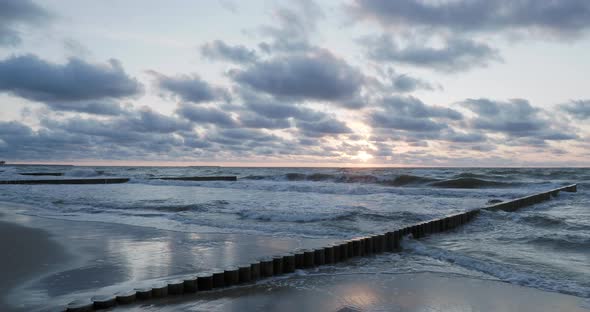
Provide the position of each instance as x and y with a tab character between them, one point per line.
206	178
304	259
40	174
68	181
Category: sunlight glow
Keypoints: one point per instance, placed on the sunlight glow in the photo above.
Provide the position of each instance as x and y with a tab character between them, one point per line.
363	156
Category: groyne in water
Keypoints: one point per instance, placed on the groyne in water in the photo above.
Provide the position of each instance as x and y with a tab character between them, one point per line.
104	180
68	181
304	259
206	178
40	174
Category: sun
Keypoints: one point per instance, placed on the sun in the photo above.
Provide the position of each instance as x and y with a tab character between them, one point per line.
363	156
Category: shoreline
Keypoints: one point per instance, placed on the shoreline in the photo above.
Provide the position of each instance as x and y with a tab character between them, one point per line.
103	258
99	258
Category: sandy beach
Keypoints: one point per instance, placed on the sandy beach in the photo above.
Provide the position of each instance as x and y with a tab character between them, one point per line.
53	262
94	258
374	292
28	252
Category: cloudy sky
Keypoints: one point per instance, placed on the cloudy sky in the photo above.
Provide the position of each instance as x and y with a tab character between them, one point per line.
350	82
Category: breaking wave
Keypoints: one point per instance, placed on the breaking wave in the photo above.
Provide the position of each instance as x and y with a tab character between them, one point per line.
397	181
468	183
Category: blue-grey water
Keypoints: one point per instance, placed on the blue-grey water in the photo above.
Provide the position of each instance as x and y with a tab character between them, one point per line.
546	246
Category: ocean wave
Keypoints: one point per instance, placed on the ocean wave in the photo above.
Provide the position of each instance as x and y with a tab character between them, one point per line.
562	241
273	216
543	220
387	180
352	214
401	180
497	270
470	183
83	173
407	180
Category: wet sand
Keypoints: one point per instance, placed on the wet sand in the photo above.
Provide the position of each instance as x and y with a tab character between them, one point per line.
373	292
103	258
27	252
53	262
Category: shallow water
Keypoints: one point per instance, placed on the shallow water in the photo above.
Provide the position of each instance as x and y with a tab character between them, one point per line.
546	246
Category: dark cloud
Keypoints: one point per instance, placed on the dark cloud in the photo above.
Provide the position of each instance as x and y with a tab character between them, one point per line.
189	88
405	83
292	27
271	108
250	120
564	17
515	118
382	120
579	109
86	138
102	107
463	137
455	55
219	50
62	85
411	114
206	115
17	13
247	134
135	123
413	107
148	120
14	128
317	76
325	127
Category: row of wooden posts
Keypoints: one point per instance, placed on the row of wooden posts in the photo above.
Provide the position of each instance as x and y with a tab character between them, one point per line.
304	259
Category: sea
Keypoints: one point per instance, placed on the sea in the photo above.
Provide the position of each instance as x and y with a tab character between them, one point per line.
545	246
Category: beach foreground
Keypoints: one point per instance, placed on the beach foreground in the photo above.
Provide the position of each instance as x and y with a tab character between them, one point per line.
53	262
373	292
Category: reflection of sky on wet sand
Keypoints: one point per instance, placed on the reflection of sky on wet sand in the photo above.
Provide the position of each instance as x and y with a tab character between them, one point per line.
107	258
142	259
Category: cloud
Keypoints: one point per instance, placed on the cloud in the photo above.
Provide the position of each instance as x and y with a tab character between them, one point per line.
14	128
579	109
250	120
405	83
219	50
151	121
329	126
101	107
206	115
316	76
555	18
129	126
73	86
463	137
269	107
137	134
515	118
293	27
16	13
411	114
413	107
189	88
455	54
29	77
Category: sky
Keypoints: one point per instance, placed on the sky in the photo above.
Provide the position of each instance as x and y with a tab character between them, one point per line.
296	83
